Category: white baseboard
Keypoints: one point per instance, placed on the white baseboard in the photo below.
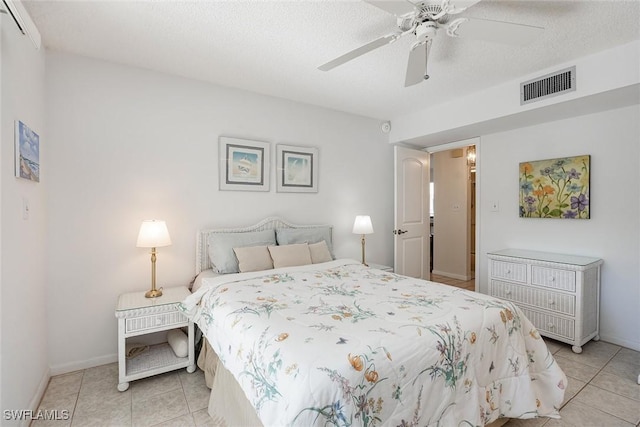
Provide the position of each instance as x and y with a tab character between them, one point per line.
83	364
35	400
451	275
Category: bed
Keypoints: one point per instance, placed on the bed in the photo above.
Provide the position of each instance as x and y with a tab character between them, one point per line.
334	342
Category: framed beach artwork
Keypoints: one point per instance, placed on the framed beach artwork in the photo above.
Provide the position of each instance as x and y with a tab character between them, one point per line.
297	169
556	188
27	151
244	164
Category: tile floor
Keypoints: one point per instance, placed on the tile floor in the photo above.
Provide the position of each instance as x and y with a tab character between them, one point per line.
602	391
468	284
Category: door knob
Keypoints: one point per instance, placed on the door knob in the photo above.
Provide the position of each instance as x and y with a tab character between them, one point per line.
398	231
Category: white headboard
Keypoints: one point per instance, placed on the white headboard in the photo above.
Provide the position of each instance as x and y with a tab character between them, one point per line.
202	254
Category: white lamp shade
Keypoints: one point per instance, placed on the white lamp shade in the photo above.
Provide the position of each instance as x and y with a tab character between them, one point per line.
362	225
153	234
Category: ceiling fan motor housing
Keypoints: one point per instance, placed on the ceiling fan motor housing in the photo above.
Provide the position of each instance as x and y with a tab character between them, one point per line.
426	30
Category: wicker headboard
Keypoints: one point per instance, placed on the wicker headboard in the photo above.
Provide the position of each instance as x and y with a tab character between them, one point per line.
202	254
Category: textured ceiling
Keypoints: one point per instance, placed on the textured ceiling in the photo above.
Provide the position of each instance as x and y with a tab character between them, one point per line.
274	47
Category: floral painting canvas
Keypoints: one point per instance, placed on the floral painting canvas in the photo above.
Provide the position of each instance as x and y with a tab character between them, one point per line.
555	188
27	163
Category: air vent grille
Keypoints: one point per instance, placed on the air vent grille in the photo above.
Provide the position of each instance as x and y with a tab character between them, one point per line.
547	86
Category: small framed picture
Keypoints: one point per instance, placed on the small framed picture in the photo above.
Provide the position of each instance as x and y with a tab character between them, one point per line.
244	164
297	169
27	162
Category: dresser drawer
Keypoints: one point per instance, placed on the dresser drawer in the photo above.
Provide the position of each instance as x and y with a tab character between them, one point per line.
509	270
152	321
550	324
554	301
553	278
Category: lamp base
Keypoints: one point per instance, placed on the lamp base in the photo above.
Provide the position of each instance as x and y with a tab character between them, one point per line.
153	293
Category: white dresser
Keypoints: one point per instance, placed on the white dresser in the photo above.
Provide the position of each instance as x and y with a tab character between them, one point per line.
559	293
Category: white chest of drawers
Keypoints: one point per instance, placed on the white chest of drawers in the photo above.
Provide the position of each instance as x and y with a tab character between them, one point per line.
559	293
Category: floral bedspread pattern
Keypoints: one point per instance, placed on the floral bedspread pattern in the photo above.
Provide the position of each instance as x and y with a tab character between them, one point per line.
340	344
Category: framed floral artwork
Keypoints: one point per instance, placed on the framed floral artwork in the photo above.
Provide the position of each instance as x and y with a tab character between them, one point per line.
244	164
556	188
297	169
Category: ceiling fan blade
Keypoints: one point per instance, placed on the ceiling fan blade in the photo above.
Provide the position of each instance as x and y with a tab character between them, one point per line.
494	31
458	6
417	65
394	7
360	51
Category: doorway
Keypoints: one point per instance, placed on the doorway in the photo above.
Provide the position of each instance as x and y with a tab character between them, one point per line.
453	221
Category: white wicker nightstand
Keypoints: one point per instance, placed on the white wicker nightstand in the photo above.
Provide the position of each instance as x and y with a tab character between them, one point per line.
137	316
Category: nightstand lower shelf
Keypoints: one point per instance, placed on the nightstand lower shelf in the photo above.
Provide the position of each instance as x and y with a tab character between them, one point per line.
158	359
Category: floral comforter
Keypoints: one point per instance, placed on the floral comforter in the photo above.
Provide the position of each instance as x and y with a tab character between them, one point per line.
341	344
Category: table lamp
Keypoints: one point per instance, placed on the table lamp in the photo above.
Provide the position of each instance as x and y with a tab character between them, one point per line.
153	234
362	225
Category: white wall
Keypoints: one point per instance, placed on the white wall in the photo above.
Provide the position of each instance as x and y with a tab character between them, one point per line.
25	362
612	138
128	144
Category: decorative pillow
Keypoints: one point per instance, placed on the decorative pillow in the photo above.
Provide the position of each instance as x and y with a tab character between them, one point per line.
253	258
287	236
290	255
320	252
221	247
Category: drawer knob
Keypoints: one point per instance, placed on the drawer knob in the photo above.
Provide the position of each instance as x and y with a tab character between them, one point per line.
552	279
508	271
551	302
158	321
508	293
551	325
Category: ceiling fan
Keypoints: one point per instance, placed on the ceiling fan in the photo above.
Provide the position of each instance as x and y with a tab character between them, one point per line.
424	19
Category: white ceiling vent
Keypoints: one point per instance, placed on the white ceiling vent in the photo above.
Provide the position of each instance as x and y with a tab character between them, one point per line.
549	85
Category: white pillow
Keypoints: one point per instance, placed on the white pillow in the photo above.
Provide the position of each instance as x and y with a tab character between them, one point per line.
290	255
253	258
320	252
179	342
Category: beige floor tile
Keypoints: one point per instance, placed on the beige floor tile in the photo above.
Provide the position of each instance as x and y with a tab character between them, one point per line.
202	419
109	413
158	384
100	373
627	355
576	414
195	390
611	403
62	404
159	408
622	369
184	421
627	387
572	389
576	370
594	353
95	394
65	384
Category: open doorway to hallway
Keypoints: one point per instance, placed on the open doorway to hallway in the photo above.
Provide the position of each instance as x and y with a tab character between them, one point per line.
453	210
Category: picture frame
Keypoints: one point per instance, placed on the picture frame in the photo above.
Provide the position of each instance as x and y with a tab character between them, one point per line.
244	164
27	152
297	169
556	188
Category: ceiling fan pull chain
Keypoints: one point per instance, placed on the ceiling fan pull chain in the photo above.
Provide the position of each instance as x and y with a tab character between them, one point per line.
427	47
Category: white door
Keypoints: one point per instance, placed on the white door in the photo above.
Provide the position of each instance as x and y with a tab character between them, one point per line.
412	223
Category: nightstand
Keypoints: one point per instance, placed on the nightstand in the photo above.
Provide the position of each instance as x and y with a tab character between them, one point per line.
137	316
381	267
